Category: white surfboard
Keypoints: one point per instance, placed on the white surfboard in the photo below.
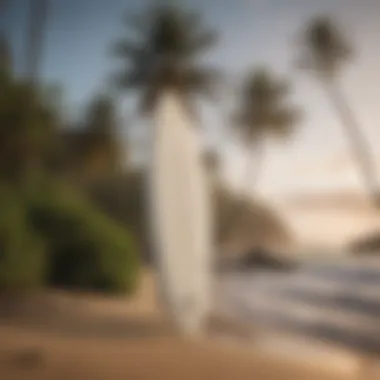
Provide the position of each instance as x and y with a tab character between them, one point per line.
180	215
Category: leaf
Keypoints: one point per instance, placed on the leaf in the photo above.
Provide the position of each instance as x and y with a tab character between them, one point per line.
164	55
262	109
324	48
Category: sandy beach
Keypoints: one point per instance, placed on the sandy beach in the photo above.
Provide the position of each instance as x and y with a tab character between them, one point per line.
82	337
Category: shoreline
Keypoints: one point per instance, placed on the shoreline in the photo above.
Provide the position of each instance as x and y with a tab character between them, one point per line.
85	336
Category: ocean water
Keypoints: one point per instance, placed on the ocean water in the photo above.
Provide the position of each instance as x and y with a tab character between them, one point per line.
336	300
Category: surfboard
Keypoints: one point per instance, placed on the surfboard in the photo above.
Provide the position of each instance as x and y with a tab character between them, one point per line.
180	214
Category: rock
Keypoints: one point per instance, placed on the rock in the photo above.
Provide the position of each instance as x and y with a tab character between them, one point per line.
368	245
260	258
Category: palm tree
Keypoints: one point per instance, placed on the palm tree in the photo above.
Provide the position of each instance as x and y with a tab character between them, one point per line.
35	37
5	56
91	150
163	58
103	153
262	112
27	130
324	52
5	48
212	163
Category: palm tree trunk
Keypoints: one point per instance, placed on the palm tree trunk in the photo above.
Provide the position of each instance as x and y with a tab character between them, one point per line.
255	159
37	23
359	145
254	164
3	6
38	18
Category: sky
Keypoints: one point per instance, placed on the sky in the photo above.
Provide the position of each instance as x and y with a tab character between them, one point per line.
252	33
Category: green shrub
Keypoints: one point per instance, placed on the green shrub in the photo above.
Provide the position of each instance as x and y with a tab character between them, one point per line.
22	252
88	250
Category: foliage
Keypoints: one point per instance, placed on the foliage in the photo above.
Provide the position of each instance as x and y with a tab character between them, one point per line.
49	234
123	198
103	152
263	109
324	48
22	252
27	128
257	225
53	96
5	56
163	56
93	149
87	249
324	51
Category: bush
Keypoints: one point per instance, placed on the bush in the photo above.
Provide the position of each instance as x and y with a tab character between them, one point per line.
22	252
88	250
123	198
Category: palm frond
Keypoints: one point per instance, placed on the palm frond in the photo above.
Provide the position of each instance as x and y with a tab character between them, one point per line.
262	109
129	80
148	100
324	47
164	57
203	80
284	120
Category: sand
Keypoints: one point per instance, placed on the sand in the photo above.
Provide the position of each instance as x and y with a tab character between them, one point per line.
62	336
